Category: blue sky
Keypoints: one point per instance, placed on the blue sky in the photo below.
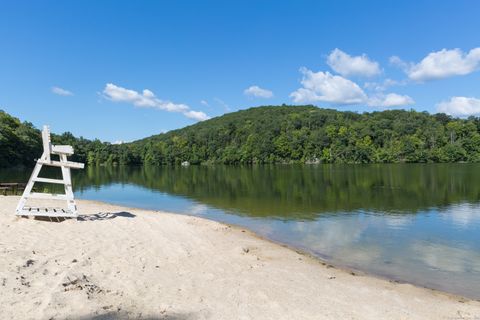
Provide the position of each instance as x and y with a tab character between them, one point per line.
83	66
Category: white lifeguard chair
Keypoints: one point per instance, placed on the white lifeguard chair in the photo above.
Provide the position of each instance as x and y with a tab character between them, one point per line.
65	165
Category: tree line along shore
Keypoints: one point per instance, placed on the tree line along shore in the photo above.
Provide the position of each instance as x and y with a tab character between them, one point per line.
270	134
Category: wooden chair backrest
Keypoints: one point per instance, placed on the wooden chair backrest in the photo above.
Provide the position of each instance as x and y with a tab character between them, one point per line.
49	148
47	145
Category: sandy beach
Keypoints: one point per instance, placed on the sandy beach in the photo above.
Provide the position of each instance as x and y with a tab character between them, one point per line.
124	263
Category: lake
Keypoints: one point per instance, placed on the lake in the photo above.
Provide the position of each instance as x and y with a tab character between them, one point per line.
417	223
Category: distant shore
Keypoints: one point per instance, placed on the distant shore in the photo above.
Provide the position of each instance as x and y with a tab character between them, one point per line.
119	262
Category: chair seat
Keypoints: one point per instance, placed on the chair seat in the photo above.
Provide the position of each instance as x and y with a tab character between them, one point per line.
68	150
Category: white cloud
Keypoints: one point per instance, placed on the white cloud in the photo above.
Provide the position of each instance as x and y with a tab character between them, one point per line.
205	103
382	86
61	92
148	99
256	91
323	86
396	61
347	66
390	100
460	106
441	64
196	115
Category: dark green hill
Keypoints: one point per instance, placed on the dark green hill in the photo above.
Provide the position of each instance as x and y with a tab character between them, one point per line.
273	134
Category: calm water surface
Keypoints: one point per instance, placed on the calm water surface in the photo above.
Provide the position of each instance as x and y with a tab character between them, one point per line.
417	223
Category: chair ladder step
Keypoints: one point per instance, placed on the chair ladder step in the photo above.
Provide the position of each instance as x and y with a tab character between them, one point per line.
66	164
50	212
46	196
48	180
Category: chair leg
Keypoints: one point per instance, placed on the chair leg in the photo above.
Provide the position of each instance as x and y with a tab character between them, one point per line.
68	186
28	188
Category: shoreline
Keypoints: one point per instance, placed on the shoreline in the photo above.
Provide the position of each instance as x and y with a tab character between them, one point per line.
323	261
140	263
344	268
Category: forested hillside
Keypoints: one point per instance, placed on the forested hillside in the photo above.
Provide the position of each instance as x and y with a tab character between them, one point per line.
310	134
21	143
272	134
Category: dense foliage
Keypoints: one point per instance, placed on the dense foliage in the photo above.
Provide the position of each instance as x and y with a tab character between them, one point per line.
273	134
19	142
308	134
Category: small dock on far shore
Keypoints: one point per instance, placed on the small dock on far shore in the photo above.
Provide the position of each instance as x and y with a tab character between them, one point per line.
12	188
